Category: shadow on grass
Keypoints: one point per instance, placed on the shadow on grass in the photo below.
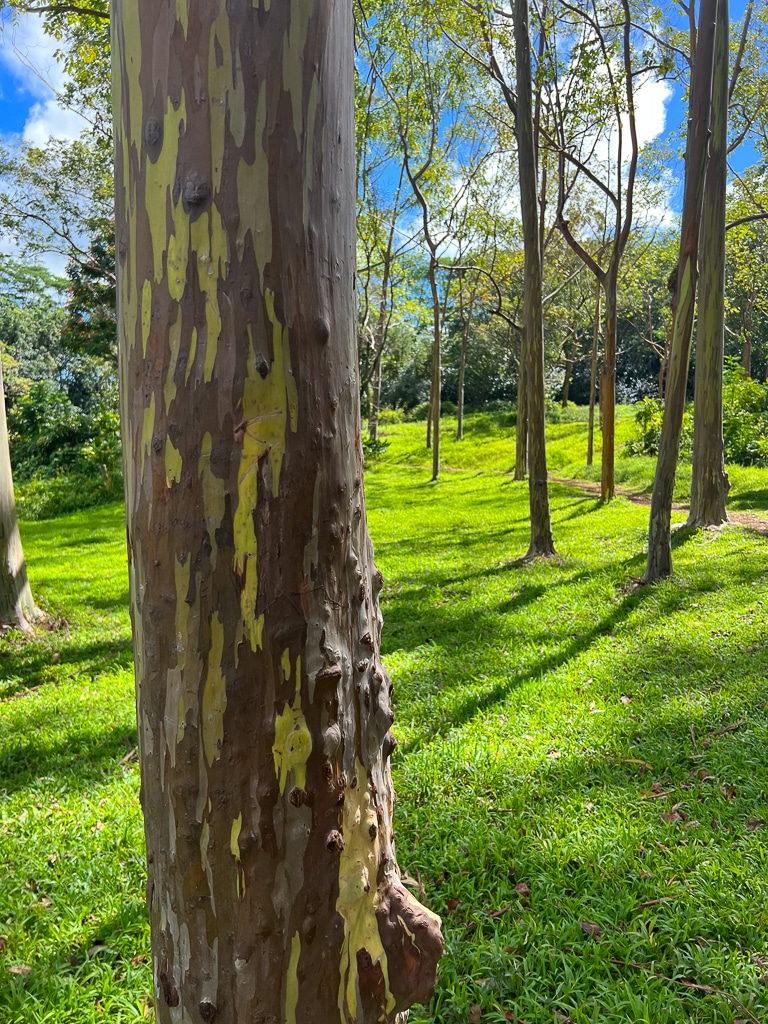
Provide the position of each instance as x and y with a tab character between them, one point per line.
750	500
26	666
74	760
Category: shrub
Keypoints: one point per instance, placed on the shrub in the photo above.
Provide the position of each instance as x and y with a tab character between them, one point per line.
373	448
745	419
649	414
45	498
391	416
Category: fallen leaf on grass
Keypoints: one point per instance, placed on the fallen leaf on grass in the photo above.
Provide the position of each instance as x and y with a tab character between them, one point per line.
637	760
673	815
136	960
475	1013
511	1017
754	824
20	969
451	904
591	929
522	890
703	775
625	699
728	791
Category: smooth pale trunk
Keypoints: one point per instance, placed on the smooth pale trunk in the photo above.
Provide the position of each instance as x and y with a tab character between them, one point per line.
533	334
17	606
659	561
264	712
709	482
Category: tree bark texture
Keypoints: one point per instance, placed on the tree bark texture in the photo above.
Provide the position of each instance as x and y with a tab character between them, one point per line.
264	712
17	606
533	333
521	421
659	562
593	375
709	482
608	381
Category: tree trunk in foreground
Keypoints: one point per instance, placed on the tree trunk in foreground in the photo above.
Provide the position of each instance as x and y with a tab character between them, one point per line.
608	383
659	563
17	606
709	483
264	712
533	333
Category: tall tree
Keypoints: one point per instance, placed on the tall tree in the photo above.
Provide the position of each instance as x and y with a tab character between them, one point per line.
17	606
659	561
709	481
264	711
533	322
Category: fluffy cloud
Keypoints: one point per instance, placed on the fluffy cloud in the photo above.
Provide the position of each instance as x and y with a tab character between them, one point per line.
27	55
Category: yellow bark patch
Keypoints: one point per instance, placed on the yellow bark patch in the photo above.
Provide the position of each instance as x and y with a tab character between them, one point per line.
234	846
146	315
205	834
294	44
253	193
159	176
214	694
358	895
182	14
209	243
293	741
292	981
191	356
174	344
147	430
173	463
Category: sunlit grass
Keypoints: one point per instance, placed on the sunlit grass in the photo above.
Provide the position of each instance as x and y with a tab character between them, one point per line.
569	796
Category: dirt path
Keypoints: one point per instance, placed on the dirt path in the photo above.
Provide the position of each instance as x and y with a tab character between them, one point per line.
748	519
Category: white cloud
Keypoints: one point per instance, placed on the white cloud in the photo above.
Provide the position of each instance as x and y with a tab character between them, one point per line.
27	54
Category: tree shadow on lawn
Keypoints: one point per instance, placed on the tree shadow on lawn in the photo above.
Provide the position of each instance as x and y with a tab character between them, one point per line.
454	655
100	957
74	761
754	499
27	666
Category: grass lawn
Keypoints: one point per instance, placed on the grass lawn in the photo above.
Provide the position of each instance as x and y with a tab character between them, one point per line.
582	770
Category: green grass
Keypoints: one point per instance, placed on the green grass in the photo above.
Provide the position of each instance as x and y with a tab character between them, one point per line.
539	710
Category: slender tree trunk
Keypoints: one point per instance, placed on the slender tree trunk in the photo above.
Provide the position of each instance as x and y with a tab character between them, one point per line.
566	382
746	356
659	563
436	370
375	408
17	606
521	424
263	707
462	370
608	383
541	529
709	483
593	376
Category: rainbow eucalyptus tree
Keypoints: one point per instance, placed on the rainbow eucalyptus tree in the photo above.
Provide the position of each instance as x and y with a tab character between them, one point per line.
264	711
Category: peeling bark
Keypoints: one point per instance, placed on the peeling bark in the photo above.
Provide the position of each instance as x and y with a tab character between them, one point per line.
17	606
709	482
659	562
264	711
